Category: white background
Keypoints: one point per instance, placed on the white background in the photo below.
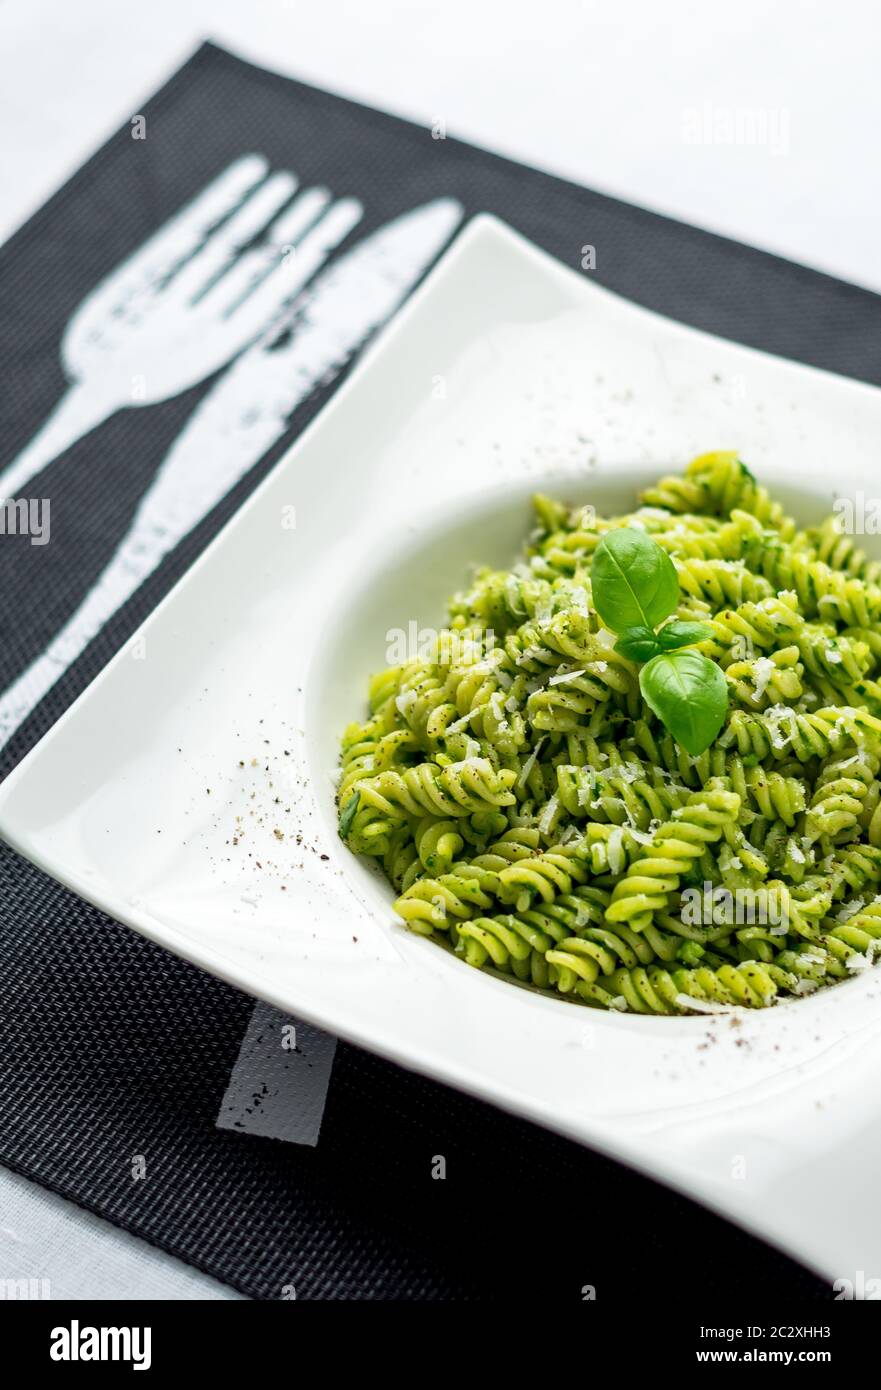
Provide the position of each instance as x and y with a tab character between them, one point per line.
595	91
598	92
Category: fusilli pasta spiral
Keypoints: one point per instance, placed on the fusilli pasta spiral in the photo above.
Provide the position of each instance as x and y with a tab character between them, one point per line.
535	815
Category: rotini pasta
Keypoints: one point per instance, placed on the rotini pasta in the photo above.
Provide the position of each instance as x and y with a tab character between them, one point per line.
534	814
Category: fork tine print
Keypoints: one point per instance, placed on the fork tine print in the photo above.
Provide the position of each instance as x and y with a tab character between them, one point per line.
195	279
253	267
265	306
174	242
249	409
160	323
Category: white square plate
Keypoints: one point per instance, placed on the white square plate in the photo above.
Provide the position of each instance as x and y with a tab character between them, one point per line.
189	791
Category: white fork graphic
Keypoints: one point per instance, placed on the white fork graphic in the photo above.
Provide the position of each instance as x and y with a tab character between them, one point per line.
242	416
184	305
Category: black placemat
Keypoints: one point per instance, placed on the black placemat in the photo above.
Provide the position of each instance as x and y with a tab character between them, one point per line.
114	1054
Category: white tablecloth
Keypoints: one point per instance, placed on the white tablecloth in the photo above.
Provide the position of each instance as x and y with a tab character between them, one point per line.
63	1252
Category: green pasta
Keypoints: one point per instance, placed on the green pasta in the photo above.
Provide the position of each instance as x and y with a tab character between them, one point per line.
534	813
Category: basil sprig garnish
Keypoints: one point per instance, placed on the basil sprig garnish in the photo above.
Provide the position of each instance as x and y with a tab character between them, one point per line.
635	587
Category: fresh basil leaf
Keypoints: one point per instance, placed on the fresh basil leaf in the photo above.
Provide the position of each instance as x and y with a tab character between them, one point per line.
638	644
634	581
682	634
348	814
689	694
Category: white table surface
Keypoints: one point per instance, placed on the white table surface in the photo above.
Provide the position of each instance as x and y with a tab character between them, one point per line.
589	90
71	1254
608	95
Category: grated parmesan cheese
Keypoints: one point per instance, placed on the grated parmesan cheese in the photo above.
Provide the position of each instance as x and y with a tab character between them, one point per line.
529	765
615	849
548	814
777	715
850	909
567	676
763	670
703	1006
806	987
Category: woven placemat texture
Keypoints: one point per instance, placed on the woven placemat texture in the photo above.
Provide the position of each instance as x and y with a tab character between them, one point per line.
115	1056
